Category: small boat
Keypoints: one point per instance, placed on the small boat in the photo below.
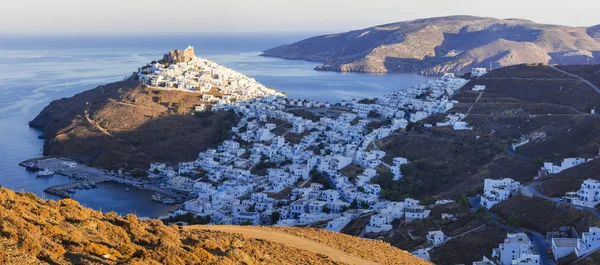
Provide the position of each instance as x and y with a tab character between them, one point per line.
127	189
157	197
44	173
169	201
71	190
93	185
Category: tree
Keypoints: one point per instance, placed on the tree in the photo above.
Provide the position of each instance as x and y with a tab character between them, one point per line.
275	216
139	173
326	209
364	205
463	201
354	204
482	214
428	201
513	221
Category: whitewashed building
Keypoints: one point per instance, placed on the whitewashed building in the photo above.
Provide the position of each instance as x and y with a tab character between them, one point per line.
496	191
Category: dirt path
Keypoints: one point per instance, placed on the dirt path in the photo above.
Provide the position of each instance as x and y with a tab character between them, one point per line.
288	240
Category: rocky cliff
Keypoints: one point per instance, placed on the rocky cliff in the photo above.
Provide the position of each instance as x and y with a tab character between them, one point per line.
35	231
446	44
177	56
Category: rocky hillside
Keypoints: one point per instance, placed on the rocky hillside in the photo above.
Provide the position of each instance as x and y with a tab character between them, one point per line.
128	125
34	231
177	56
446	44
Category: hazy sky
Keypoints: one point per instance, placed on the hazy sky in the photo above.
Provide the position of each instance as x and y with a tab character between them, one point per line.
159	16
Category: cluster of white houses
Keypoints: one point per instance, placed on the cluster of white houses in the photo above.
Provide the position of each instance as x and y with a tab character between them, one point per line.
498	190
230	193
516	249
201	76
587	243
587	196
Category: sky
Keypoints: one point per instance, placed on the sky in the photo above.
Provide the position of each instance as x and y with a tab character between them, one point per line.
51	17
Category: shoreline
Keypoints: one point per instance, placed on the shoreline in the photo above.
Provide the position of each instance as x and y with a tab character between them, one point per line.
84	175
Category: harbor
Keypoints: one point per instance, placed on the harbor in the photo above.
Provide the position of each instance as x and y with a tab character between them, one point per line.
85	178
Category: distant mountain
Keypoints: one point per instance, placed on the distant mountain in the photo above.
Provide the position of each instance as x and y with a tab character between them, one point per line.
446	44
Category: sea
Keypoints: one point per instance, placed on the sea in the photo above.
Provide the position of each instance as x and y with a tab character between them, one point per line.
34	70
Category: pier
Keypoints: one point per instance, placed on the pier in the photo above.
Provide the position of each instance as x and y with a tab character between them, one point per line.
84	175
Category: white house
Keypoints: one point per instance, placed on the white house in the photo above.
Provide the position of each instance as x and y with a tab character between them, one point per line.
516	247
588	195
379	223
416	212
436	237
477	72
562	247
338	223
252	218
589	241
478	88
496	191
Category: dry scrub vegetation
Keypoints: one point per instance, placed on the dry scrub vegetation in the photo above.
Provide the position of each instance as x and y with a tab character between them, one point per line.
373	250
35	231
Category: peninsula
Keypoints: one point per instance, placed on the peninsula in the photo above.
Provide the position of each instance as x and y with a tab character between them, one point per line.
455	44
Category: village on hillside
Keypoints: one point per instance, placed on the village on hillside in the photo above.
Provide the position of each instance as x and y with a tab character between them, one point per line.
286	160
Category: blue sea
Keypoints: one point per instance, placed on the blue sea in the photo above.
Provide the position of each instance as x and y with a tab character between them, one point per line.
36	70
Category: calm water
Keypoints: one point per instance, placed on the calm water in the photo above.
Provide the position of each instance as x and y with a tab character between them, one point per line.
37	70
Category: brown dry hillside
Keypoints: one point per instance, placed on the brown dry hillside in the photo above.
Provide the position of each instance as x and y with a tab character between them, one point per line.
544	216
535	101
570	179
446	44
127	124
34	231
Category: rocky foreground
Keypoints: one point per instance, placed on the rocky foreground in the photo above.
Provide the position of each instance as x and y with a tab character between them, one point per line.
455	44
35	231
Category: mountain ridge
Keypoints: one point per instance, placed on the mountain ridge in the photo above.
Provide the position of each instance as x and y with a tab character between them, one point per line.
432	46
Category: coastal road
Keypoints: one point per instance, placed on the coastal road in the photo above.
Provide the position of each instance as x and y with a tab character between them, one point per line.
288	240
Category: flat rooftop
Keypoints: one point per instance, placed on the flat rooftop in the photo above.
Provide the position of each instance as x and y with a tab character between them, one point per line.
565	242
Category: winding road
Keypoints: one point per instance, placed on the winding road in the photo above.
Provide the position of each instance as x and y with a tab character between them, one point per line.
578	77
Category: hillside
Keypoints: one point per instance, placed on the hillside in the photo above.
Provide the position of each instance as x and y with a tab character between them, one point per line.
446	44
128	124
34	231
537	102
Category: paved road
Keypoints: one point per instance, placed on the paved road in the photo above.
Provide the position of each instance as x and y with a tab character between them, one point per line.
535	192
578	77
540	246
288	240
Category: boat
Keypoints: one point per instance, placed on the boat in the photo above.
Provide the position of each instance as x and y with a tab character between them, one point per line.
87	186
127	189
93	185
44	173
157	197
169	201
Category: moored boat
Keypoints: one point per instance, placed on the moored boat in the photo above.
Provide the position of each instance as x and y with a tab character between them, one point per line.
157	197
44	173
169	201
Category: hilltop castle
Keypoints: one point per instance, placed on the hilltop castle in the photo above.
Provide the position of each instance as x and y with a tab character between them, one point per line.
177	56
